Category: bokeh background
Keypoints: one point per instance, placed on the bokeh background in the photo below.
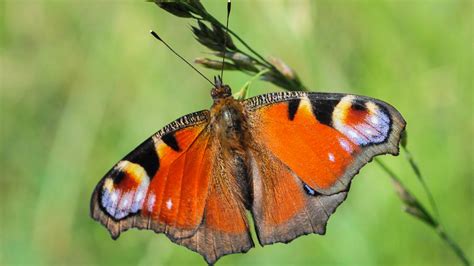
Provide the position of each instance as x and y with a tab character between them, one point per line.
83	83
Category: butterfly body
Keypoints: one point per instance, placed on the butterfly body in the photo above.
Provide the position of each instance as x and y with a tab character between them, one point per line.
286	157
229	123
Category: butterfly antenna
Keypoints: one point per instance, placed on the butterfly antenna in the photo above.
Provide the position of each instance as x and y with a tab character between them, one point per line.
172	50
225	38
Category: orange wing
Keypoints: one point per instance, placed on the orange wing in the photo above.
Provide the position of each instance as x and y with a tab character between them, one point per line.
148	188
307	147
174	183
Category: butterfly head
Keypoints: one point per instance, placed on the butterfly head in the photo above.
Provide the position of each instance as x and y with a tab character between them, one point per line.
220	91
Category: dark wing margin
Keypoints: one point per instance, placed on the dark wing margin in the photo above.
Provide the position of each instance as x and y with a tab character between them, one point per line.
306	149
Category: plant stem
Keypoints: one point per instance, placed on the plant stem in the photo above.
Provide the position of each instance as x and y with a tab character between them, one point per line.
453	245
417	172
437	226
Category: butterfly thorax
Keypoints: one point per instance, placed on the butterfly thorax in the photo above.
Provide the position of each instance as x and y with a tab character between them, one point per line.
228	122
227	116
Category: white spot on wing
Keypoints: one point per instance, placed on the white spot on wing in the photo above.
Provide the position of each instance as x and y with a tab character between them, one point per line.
169	204
345	145
139	195
114	196
352	133
374	120
121	165
125	201
331	157
151	202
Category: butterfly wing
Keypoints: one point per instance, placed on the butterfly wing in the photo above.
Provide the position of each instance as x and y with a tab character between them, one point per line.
162	185
307	147
174	183
283	206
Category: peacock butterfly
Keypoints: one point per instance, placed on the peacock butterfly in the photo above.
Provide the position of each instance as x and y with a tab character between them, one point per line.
287	157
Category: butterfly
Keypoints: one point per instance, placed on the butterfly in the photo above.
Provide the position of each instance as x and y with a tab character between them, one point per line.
286	157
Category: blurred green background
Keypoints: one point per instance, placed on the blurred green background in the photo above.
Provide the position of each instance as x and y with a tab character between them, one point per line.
83	83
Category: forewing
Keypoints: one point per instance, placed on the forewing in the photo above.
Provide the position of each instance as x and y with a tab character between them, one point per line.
162	185
306	148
